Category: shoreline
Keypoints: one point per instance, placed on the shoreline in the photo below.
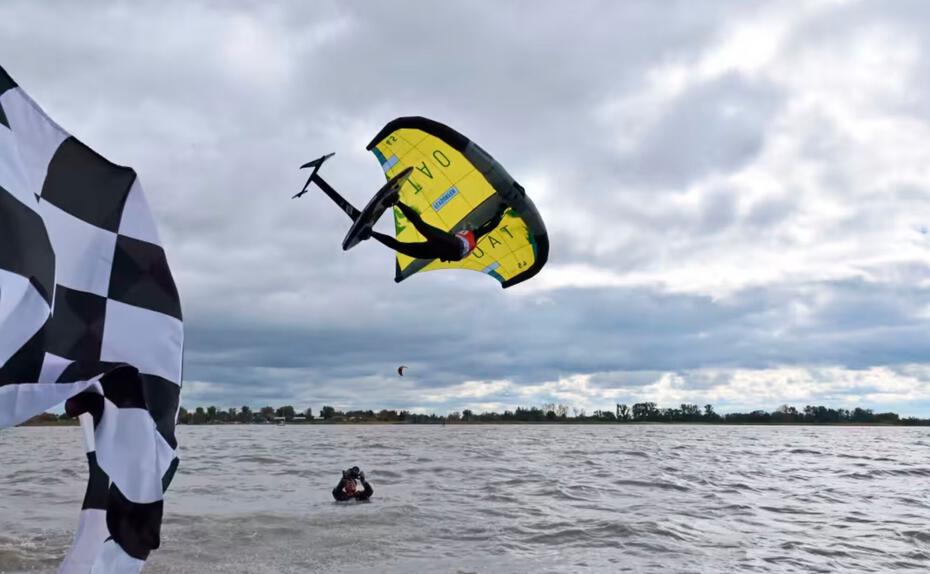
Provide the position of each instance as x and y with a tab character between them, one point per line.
75	422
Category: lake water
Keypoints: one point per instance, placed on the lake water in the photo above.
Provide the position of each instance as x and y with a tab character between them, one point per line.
504	499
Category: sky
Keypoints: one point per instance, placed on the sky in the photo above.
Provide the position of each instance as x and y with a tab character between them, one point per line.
737	197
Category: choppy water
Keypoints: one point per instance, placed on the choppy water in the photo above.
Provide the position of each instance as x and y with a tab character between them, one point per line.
500	499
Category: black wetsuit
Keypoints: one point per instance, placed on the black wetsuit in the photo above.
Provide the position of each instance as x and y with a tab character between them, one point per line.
340	494
439	244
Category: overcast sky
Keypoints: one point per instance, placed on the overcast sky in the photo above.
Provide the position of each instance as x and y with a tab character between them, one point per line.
737	194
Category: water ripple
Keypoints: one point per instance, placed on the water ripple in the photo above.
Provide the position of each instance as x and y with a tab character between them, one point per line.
521	499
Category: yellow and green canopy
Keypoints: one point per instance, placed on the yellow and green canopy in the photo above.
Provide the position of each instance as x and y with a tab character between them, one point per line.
456	184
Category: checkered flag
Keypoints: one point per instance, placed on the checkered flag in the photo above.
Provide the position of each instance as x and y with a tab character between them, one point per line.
89	313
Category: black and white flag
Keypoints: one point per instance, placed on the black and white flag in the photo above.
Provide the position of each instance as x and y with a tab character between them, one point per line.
89	312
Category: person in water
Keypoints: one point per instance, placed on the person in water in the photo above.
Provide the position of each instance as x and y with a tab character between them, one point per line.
439	244
347	489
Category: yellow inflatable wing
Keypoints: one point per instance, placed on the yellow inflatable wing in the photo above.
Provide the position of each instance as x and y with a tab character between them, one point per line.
456	184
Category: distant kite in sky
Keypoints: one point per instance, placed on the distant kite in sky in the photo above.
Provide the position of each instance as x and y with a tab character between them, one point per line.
89	312
448	182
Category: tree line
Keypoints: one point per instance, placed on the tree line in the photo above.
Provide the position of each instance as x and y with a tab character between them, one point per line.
553	413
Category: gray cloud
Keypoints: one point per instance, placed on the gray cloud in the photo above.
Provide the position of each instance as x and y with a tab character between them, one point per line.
716	126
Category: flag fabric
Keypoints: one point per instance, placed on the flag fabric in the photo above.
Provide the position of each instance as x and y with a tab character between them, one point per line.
89	313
